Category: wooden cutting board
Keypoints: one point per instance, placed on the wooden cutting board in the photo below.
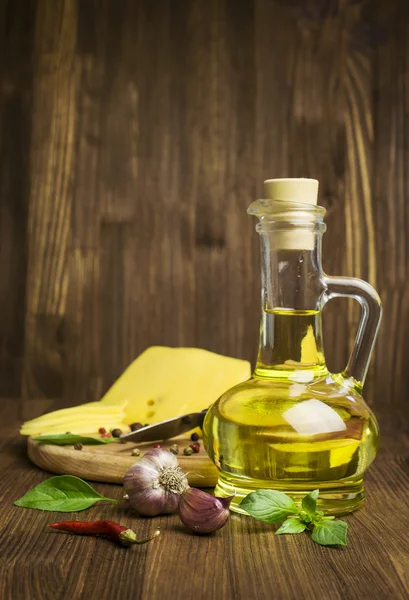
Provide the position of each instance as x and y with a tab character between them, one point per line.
109	463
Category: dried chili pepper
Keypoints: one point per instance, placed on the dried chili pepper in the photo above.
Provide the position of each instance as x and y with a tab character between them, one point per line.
114	531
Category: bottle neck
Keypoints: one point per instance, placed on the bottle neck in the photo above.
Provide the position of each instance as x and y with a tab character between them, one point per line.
291	325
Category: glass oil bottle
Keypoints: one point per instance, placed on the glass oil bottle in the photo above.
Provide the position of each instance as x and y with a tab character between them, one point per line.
294	426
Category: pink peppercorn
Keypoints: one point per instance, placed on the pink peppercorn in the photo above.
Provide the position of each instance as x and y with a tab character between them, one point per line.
195	448
102	430
157	446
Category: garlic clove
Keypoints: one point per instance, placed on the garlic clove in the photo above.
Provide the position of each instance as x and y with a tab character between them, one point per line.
202	513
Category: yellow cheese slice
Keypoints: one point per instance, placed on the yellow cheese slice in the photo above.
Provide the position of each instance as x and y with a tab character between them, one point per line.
166	382
86	418
90	411
77	427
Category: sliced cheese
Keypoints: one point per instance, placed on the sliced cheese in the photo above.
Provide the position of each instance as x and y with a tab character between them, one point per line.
77	427
166	382
113	413
86	418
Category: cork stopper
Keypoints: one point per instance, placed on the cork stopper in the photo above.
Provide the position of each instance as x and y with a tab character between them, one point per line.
292	190
302	191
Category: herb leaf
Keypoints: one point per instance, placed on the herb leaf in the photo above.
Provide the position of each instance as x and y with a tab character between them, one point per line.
69	439
269	506
63	493
330	533
309	502
291	525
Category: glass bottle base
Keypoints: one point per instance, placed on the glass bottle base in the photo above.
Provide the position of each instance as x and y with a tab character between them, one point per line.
336	497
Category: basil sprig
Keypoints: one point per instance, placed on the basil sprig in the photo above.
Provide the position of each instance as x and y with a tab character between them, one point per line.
271	506
63	493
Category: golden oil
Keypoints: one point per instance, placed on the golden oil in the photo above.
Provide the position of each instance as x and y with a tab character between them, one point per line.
293	426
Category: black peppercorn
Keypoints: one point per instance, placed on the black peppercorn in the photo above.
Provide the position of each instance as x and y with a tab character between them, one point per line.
135	426
78	446
194	437
116	433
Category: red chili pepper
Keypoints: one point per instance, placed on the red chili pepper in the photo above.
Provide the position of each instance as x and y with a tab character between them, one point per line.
114	531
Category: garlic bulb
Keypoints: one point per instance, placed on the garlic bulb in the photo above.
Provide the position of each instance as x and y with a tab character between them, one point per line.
203	513
154	484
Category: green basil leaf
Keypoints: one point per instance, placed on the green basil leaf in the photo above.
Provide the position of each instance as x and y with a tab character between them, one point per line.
309	502
63	493
330	533
291	525
69	439
269	506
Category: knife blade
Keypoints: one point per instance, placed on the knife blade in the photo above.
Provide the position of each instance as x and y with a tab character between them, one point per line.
166	429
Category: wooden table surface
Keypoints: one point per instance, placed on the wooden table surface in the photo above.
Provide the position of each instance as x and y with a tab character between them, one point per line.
244	560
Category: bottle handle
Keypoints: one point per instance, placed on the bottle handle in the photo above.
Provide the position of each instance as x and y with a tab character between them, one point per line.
368	298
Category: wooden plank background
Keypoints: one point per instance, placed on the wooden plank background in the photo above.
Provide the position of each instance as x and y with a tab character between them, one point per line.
133	136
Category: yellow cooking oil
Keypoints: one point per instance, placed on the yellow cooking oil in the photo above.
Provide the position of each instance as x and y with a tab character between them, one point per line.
293	426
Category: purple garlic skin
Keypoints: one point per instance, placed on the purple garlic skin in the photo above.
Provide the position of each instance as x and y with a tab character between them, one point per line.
154	484
202	513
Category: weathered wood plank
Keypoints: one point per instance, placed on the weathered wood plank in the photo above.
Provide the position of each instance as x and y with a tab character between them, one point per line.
50	201
16	44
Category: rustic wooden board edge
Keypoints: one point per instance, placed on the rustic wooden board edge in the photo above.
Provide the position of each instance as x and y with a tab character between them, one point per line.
110	467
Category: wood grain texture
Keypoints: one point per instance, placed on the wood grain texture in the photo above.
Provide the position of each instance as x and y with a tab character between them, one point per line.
133	136
244	560
108	464
16	42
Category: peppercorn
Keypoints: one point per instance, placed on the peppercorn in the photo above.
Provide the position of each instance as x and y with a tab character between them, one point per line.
136	452
116	433
157	446
195	447
106	435
78	446
68	433
194	437
135	426
188	451
174	449
102	430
